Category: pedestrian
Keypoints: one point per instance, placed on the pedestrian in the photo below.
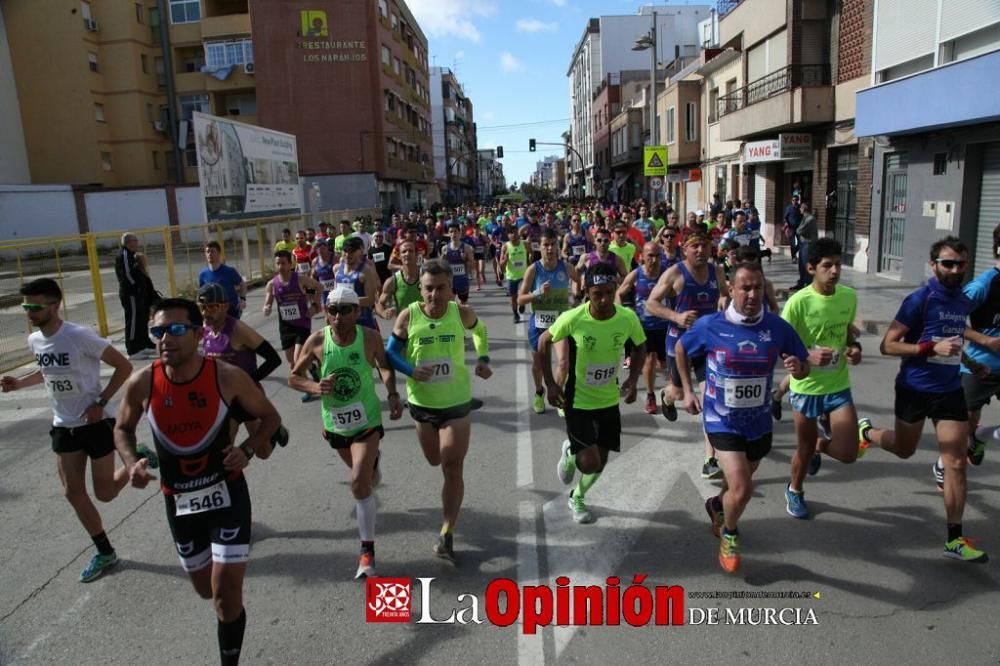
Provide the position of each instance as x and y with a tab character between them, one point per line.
793	216
806	234
135	291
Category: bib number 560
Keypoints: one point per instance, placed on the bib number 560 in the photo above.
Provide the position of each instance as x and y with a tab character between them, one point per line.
750	392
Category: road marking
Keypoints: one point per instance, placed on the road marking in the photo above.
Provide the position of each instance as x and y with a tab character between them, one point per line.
66	615
525	464
530	647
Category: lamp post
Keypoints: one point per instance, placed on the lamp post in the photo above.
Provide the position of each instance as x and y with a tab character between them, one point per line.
643	43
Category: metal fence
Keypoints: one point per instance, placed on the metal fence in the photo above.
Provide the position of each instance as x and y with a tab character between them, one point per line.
779	81
84	267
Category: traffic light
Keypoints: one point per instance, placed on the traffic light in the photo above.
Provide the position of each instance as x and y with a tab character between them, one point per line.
499	152
531	145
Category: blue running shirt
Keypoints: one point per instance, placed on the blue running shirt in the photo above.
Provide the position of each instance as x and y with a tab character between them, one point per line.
933	313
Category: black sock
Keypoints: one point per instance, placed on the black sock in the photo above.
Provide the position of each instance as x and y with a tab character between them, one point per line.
231	639
368	547
954	531
102	543
735	532
539	391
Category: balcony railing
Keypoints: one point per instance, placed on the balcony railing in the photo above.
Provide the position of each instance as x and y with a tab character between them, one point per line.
782	80
723	7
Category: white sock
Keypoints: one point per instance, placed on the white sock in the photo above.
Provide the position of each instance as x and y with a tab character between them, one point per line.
984	433
366	518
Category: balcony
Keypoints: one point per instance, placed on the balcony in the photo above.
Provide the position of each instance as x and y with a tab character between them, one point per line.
230	25
630	156
794	96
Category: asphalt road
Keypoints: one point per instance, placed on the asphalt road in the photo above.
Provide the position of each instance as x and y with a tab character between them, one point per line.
872	551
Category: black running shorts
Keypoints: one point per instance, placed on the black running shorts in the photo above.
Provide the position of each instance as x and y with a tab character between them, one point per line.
96	439
220	535
915	406
587	427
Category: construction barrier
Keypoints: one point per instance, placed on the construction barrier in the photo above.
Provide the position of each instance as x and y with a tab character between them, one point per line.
84	267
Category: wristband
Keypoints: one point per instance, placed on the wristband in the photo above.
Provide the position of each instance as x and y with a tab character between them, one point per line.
856	344
926	348
247	450
537	293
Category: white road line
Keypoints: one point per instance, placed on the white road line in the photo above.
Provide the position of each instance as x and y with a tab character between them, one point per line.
67	615
525	464
530	647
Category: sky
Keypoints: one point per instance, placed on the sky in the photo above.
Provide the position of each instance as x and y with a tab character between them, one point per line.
511	57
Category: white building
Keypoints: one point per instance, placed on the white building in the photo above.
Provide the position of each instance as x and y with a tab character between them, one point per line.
606	47
491	178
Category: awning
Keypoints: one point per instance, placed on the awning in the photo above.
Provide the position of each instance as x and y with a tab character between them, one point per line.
620	180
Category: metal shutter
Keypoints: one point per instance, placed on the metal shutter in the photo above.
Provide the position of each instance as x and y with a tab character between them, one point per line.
960	17
989	208
905	30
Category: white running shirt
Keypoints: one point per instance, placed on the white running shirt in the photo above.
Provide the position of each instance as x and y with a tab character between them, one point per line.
70	361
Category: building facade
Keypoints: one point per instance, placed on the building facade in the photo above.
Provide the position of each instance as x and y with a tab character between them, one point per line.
454	132
491	180
932	112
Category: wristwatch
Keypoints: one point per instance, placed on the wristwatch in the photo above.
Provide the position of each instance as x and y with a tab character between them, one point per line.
247	450
101	401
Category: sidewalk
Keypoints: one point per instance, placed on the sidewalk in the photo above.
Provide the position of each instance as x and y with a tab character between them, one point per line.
878	298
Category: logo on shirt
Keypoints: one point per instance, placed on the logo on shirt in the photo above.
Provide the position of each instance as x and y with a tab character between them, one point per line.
49	359
765	336
589	342
346	383
746	347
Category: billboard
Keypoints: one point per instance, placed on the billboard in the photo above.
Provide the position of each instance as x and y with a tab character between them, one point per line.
244	170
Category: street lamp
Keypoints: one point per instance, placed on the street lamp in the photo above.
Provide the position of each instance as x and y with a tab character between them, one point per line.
644	43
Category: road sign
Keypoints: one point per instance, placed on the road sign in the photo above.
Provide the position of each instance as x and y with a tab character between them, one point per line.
655	183
654	161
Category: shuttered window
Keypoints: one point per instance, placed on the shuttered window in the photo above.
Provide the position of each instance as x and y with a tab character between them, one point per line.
905	31
989	208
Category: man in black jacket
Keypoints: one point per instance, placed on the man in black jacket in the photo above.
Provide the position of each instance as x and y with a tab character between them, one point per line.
135	291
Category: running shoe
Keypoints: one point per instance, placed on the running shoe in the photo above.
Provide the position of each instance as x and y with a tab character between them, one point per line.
280	436
668	409
444	548
651	407
775	407
561	412
97	566
627	363
717	517
566	469
143	451
729	552
963	549
377	472
366	566
581	513
814	464
977	450
517	318
711	469
520	309
795	504
538	404
937	470
864	425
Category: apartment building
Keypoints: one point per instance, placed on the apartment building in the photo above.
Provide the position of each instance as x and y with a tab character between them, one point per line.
931	107
680	116
491	179
454	133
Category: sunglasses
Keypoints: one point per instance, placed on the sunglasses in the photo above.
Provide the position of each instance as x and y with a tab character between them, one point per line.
175	330
35	307
211	306
342	310
602	240
952	263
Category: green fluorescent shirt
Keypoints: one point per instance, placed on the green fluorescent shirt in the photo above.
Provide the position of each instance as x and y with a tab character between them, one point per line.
596	350
822	321
353	406
439	343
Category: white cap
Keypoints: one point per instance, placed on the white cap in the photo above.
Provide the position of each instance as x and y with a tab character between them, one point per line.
699	212
342	295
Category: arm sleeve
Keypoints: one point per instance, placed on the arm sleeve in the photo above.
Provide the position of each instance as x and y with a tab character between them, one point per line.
480	338
272	361
394	350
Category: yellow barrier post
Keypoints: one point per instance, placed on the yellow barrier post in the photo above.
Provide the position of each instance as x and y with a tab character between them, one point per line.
95	278
168	257
261	242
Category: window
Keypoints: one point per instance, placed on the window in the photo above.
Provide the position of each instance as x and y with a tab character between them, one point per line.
156	160
161	74
92	60
382	8
191	103
106	161
241	105
85	11
713	105
185	11
99	112
691	122
397	66
386	55
670	125
225	54
144	60
192	62
149	112
138	12
395	23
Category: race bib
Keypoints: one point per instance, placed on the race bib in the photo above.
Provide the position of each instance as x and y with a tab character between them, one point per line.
578	250
458	270
62	388
329	285
834	363
199	501
289	311
518	263
302	268
442	370
745	392
944	360
378	257
349	417
600	375
545	319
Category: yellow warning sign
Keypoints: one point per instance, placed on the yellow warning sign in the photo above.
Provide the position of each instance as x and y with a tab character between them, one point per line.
654	161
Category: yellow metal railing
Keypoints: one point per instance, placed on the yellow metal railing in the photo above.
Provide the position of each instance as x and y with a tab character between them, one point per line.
84	267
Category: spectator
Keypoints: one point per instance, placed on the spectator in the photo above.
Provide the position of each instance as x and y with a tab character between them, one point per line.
793	218
136	293
807	233
226	276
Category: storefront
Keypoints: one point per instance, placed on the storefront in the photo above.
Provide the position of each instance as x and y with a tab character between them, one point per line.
777	169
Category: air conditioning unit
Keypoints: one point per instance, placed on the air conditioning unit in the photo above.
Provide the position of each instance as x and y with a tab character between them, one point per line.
248	68
159	126
90	24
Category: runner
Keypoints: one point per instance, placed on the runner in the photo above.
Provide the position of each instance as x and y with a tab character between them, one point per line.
622	247
695	288
475	237
187	400
641	281
302	254
431	334
403	287
514	262
286	243
324	269
461	259
601	255
228	339
596	332
575	242
298	300
379	254
69	358
822	315
927	333
741	346
354	270
546	286
981	363
352	412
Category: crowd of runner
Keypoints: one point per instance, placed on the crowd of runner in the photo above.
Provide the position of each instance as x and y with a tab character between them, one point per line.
683	307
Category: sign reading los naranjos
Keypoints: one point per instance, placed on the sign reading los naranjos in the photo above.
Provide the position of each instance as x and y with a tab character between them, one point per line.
313	24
